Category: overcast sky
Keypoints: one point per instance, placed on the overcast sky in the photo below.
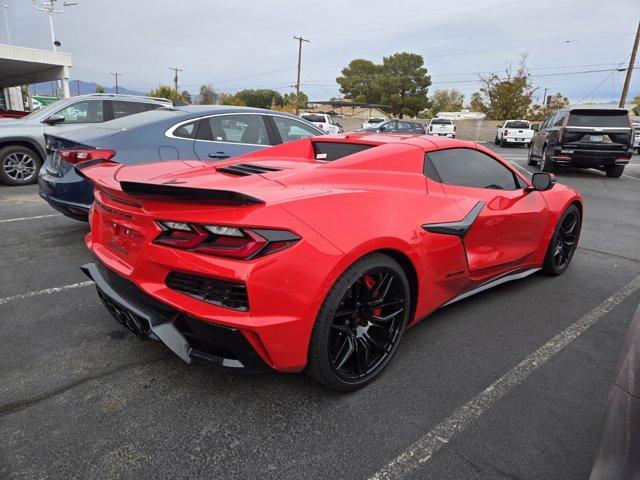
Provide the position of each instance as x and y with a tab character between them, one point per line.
248	44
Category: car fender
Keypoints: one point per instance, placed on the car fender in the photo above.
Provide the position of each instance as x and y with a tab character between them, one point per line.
20	139
558	200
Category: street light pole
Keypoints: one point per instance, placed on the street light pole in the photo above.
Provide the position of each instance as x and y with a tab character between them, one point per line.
49	6
5	8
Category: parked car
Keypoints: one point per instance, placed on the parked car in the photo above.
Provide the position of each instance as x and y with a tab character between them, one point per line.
418	127
618	456
4	113
202	132
373	122
396	126
323	121
277	261
22	143
442	127
584	138
514	132
636	137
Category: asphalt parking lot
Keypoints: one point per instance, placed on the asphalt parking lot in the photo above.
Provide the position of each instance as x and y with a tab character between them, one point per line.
82	398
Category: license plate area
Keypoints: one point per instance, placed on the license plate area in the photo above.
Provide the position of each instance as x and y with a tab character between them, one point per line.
596	138
119	234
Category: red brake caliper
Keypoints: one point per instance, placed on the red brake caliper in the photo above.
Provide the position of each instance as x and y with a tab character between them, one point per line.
370	283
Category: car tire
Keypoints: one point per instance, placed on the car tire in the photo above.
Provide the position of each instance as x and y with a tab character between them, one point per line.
503	143
353	340
496	141
19	165
614	171
564	242
530	160
545	162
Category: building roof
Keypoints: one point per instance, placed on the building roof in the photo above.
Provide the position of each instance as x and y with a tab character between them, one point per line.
23	65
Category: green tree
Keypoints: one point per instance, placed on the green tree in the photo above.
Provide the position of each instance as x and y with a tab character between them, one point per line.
360	81
635	110
507	96
405	83
207	95
540	112
476	104
186	96
99	89
289	99
260	98
444	100
165	91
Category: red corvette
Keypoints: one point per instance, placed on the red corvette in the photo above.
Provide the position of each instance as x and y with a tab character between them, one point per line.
316	255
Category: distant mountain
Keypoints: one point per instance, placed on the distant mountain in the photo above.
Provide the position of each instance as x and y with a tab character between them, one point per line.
80	87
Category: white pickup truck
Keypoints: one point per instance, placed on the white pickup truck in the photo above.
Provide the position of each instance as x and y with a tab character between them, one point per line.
442	127
321	120
373	122
514	132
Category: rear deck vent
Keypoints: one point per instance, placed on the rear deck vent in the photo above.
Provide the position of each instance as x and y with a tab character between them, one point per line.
245	169
219	292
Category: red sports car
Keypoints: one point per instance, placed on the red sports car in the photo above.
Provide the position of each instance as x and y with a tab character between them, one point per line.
316	255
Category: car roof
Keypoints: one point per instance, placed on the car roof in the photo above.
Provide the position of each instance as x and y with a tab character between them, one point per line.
427	142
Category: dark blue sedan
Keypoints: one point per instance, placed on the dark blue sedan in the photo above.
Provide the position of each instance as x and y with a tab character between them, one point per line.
177	133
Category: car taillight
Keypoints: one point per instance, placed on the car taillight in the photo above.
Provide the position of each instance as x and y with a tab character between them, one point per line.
223	241
564	124
76	156
506	133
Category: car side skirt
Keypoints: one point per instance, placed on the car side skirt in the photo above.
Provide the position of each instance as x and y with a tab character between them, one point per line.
517	275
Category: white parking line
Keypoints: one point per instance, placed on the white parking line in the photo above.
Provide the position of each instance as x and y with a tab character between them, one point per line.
628	176
44	292
7	220
421	451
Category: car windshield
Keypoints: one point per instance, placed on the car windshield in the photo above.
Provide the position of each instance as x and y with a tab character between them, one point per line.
45	110
517	124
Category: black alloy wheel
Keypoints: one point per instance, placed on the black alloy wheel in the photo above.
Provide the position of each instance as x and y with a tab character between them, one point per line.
564	242
530	160
360	324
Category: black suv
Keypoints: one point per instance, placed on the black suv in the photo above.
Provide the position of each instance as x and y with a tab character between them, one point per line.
583	138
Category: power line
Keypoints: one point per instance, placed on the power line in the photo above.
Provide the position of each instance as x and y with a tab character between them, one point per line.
602	82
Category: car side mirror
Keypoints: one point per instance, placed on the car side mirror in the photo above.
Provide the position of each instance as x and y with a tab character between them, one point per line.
54	119
542	181
535	127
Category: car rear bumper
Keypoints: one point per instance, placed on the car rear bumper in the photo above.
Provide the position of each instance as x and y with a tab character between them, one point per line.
194	341
71	195
591	158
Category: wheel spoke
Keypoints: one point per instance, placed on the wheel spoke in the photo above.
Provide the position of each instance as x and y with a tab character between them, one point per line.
345	352
375	343
381	291
362	355
382	320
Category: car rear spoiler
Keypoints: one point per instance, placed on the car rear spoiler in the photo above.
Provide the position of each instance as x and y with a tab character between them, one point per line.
105	180
188	194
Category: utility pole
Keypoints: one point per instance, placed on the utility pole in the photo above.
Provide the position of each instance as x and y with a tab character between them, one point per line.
544	100
5	9
300	40
116	75
632	60
175	77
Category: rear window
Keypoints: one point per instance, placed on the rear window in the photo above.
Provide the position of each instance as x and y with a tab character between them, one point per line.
441	121
613	119
335	150
517	125
376	120
314	118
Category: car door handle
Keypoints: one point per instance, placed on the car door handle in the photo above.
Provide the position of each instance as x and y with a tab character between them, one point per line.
218	155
